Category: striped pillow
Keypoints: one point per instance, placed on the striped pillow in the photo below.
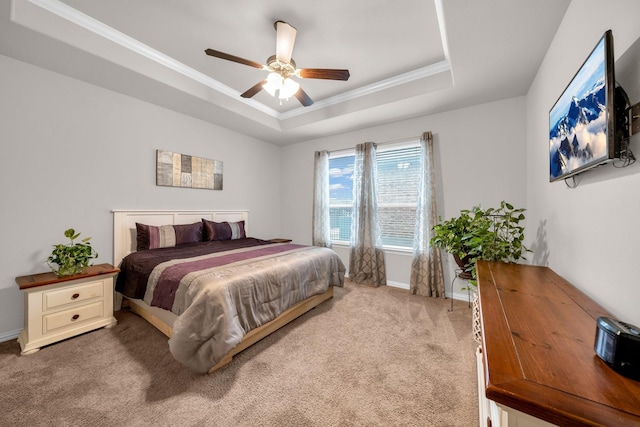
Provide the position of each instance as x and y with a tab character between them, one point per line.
166	236
222	230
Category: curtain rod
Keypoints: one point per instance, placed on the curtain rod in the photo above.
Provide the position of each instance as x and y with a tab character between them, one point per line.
395	141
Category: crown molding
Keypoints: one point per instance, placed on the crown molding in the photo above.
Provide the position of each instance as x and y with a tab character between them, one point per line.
372	88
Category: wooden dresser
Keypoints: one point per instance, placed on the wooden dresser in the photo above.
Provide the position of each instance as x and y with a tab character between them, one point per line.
536	364
56	308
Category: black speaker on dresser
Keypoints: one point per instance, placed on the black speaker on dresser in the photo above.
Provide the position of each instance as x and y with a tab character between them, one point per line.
618	344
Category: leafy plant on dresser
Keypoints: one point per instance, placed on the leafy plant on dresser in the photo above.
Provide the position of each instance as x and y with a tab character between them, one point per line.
71	258
493	234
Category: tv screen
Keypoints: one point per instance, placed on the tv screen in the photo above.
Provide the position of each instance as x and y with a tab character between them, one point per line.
581	122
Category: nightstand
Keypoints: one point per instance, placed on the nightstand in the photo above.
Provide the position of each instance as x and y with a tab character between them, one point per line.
56	308
280	240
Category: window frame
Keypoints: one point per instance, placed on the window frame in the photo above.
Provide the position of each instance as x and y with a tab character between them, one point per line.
380	149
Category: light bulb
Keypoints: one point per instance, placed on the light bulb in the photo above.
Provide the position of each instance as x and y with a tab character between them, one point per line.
274	83
289	88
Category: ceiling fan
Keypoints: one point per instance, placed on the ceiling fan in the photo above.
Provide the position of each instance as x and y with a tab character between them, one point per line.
282	67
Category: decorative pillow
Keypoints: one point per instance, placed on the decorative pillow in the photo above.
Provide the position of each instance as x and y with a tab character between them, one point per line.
165	236
222	230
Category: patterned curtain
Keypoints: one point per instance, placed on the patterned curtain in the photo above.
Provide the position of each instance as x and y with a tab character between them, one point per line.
366	258
426	268
321	235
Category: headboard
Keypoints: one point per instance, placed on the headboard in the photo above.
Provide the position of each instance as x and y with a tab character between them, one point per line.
124	224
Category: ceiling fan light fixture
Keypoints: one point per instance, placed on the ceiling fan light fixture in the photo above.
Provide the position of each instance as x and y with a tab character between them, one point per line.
285	87
288	89
273	84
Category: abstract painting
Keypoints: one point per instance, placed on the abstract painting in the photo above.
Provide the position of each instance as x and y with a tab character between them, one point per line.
182	170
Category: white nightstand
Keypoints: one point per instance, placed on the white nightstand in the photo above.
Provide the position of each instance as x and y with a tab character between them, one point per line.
56	308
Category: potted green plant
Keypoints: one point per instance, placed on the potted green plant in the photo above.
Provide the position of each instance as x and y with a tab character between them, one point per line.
493	234
71	258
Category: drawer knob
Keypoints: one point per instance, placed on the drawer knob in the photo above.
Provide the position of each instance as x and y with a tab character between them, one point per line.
74	296
75	317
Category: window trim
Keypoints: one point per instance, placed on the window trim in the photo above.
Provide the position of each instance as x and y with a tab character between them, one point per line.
380	149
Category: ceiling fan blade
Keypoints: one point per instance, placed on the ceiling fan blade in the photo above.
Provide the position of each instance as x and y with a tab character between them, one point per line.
233	58
285	38
304	99
253	90
324	73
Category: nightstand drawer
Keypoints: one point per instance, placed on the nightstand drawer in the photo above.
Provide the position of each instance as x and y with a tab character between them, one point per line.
60	297
61	319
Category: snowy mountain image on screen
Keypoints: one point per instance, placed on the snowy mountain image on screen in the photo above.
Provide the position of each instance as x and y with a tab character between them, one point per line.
579	136
578	121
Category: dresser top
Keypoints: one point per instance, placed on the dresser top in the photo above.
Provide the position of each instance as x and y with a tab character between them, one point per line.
41	279
538	333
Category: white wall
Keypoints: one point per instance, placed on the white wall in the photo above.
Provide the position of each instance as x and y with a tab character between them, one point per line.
72	152
479	160
588	234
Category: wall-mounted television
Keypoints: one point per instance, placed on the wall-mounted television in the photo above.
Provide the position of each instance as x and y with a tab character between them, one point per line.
582	122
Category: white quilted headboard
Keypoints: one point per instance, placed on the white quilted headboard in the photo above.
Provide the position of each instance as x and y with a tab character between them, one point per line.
124	224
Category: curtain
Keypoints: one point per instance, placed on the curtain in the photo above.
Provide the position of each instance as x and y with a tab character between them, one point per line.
366	258
426	268
321	235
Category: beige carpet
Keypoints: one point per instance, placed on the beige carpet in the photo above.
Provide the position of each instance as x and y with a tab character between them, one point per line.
368	357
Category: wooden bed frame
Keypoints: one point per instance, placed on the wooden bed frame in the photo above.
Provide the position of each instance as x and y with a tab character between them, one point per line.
124	243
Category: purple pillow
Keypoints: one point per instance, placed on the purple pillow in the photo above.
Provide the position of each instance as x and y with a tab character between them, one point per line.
166	236
223	230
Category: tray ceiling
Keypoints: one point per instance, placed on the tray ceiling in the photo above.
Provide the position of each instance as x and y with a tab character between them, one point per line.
406	59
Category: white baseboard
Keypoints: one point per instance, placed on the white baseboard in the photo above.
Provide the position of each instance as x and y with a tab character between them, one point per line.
11	335
462	296
398	285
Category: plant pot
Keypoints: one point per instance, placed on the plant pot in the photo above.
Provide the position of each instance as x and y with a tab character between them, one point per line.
69	270
463	264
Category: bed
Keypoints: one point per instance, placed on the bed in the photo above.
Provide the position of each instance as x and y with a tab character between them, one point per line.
214	298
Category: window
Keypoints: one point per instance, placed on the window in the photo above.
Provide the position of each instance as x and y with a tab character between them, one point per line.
340	196
398	178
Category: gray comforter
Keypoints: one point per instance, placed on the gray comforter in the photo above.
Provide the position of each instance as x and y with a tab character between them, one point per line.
219	297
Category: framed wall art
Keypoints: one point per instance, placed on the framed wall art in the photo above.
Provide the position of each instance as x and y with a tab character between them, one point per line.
182	170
